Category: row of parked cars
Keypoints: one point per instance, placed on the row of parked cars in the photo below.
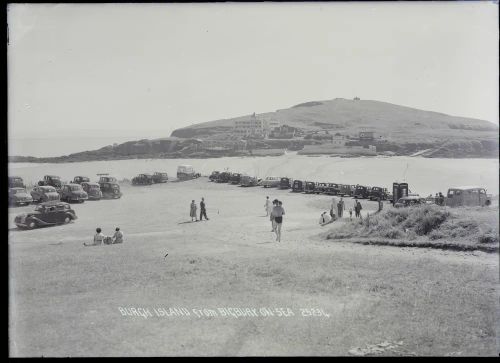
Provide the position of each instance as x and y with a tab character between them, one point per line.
51	188
300	186
149	179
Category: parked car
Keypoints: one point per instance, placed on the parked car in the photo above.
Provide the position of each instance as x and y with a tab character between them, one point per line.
51	180
73	193
44	193
93	190
311	188
345	190
271	182
332	189
46	214
19	196
249	181
80	179
410	200
467	196
186	172
159	177
235	178
285	183
109	187
213	177
361	192
16	182
142	179
378	192
224	177
321	188
298	186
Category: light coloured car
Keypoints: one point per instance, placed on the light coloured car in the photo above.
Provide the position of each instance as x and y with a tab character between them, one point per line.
19	196
44	193
271	182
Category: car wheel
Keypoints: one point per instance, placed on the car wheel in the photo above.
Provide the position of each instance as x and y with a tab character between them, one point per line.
67	220
31	225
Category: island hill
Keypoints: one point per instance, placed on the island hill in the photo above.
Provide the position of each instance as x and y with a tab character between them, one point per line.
339	127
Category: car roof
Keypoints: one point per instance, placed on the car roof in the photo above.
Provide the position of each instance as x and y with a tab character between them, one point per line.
54	176
53	203
90	183
46	187
468	187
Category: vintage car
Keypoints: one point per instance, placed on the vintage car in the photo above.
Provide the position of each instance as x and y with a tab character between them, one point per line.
321	188
44	193
80	179
159	177
249	181
109	187
51	180
271	182
311	188
213	177
332	189
409	201
345	190
224	177
378	192
46	214
235	178
298	186
142	179
73	193
467	196
16	182
19	196
93	190
186	172
285	183
361	192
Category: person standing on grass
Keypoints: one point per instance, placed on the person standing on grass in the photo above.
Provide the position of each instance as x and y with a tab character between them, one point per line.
268	207
359	209
380	205
341	207
271	216
350	214
278	213
356	209
192	212
203	211
333	207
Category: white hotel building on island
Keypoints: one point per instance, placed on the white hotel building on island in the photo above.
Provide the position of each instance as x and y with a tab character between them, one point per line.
252	126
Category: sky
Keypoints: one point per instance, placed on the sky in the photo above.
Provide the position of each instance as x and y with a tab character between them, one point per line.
144	70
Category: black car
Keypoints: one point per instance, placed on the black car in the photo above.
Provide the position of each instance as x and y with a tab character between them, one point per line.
80	180
109	187
361	192
224	177
332	189
285	183
159	177
311	188
298	186
46	214
213	177
51	180
378	192
235	178
321	188
142	179
345	190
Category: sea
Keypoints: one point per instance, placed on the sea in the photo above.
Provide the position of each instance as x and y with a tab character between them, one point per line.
424	175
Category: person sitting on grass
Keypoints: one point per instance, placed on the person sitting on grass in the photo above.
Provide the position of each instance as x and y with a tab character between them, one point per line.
325	219
98	239
118	236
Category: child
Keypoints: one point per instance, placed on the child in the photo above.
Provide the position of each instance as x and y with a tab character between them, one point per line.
98	239
350	214
118	236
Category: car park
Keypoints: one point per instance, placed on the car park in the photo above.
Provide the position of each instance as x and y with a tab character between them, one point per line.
249	181
93	190
44	193
16	182
51	180
80	179
285	183
19	196
378	193
142	179
271	182
467	196
298	186
160	177
46	214
73	193
409	201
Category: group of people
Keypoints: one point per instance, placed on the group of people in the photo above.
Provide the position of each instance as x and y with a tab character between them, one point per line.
439	198
275	212
339	207
194	208
100	238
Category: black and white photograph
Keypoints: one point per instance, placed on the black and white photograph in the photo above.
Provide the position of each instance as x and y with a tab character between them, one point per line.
258	179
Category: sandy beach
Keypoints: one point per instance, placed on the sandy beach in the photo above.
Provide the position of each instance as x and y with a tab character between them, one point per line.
71	300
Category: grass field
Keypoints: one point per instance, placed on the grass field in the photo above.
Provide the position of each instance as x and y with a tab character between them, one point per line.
65	299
